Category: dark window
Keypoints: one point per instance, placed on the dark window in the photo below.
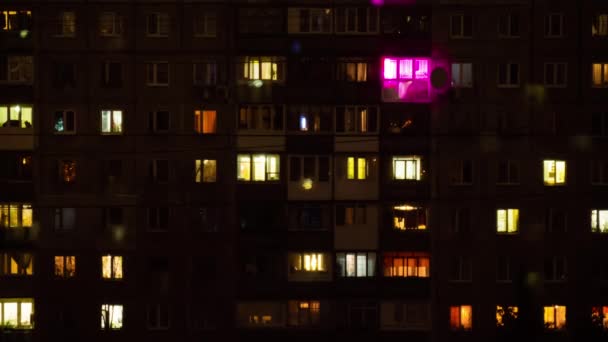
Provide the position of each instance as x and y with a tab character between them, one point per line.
556	220
64	75
111	74
205	219
294	169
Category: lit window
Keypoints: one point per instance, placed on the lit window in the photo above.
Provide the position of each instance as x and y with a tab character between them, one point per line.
599	220
356	119
554	172
507	220
111	316
157	74
508	75
310	118
15	215
64	122
204	73
352	71
599	25
599	317
111	121
555	74
309	20
205	170
158	316
110	24
205	24
205	121
304	313
407	217
111	267
17	313
555	317
260	117
158	25
461	317
406	265
407	168
16	69
308	262
506	315
258	167
600	75
554	25
15	21
351	214
357	20
508	26
66	25
360	264
65	266
15	116
67	171
262	68
16	264
462	75
405	80
461	26
357	168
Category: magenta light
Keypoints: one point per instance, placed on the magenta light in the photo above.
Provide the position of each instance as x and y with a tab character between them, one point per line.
406	79
422	71
390	69
377	2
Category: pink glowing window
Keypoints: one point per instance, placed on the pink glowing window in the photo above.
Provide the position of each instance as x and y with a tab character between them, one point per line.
406	79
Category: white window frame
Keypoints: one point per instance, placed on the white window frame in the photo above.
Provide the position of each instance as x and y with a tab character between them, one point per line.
152	73
417	160
366	268
209	73
64	115
555	83
20	66
268	176
461	82
117	24
205	24
160	17
253	68
461	34
21	324
553	163
509	82
508	225
371	14
597	215
549	25
66	26
112	114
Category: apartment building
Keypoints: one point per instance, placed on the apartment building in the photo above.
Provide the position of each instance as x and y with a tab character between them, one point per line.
203	170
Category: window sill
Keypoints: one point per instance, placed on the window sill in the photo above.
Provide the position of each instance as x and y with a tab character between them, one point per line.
203	35
111	134
461	37
63	36
507	86
508	37
508	184
507	233
65	133
556	86
110	35
157	84
157	36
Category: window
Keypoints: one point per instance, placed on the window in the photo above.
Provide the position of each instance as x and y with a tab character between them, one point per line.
357	20
110	24
205	170
158	25
508	26
15	21
461	269
15	215
556	220
599	25
158	171
17	313
205	219
157	74
66	25
357	168
507	221
599	172
554	25
555	75
111	121
258	167
111	74
351	214
111	267
303	313
260	19
67	171
158	219
506	316
362	315
308	168
310	118
461	26
113	217
555	317
113	171
16	116
16	166
260	314
505	269
554	172
599	124
406	264
407	168
508	172
462	220
157	316
64	122
405	24
309	20
16	69
262	68
352	71
461	172
508	75
405	79
462	75
260	117
159	122
16	264
356	265
407	217
599	317
205	24
308	217
600	75
308	262
357	119
555	269
111	317
64	219
461	317
205	121
599	220
65	266
64	75
204	73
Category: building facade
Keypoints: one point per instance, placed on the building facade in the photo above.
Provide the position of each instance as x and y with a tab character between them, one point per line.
226	170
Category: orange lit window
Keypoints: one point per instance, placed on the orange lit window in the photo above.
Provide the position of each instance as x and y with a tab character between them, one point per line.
67	171
505	315
16	264
406	264
461	317
555	317
407	217
599	317
304	313
205	121
111	267
65	266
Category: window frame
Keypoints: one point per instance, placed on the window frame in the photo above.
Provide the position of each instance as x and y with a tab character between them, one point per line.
112	130
460	325
107	310
300	258
252	166
117	24
249	64
156	310
153	122
596	215
370	17
508	81
206	16
64	272
509	27
199	171
313	13
254	118
19	302
601	19
549	18
461	83
152	73
603	75
462	269
554	181
115	274
461	35
508	212
599	172
407	159
21	121
370	263
6	208
23	66
555	83
553	325
301	161
61	19
210	73
64	115
158	22
392	271
362	123
509	164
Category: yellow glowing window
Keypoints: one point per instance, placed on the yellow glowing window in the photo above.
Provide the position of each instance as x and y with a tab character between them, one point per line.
205	121
18	264
258	167
406	168
111	267
356	168
554	172
505	315
111	121
555	317
16	313
111	317
16	116
600	74
260	69
507	220
461	317
15	20
205	170
65	266
599	221
599	316
16	215
308	262
407	217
